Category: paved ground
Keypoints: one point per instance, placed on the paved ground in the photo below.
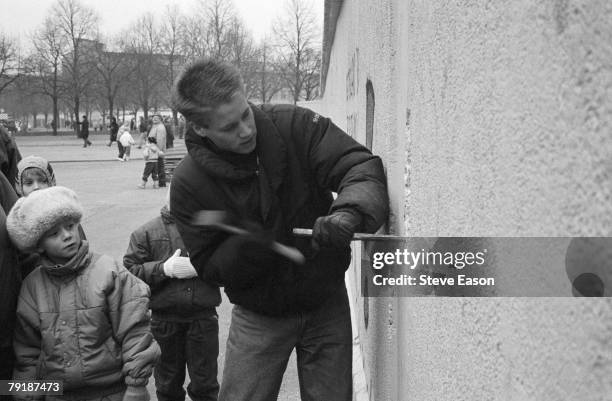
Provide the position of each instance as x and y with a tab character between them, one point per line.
114	207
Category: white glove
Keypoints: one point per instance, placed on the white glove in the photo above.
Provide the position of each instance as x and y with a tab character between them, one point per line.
179	266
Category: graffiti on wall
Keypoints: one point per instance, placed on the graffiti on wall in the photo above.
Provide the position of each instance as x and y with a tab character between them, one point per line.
352	88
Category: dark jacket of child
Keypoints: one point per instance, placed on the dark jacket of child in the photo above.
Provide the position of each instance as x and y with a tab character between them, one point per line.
171	299
85	323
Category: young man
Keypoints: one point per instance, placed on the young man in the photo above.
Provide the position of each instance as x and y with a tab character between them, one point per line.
273	168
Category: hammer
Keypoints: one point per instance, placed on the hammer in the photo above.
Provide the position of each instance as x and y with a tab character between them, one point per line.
218	219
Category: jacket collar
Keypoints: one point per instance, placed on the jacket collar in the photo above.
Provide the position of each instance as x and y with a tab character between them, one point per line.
271	152
79	261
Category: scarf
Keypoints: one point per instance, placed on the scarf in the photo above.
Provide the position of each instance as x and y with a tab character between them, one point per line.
79	261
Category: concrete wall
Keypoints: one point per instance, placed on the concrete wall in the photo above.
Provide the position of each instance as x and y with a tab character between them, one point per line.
493	119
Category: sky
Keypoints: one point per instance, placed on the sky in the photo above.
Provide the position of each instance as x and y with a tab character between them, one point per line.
20	17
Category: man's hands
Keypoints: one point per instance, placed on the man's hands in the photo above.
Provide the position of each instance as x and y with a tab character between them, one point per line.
178	266
335	230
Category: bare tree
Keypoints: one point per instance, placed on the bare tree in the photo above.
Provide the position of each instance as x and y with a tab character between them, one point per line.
9	61
312	73
77	23
298	38
263	83
170	46
142	46
49	45
114	69
219	14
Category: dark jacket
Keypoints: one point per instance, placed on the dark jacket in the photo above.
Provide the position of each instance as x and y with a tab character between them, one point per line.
114	128
85	323
9	156
171	299
84	128
9	284
301	158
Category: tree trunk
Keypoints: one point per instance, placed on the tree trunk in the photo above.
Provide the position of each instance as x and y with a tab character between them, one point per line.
55	116
77	127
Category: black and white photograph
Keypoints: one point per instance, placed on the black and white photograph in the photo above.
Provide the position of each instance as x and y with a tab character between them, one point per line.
306	200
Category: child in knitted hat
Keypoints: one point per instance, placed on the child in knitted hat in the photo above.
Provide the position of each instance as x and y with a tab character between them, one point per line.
81	317
34	173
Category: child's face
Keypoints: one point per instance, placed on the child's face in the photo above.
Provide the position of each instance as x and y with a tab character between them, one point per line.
62	242
33	179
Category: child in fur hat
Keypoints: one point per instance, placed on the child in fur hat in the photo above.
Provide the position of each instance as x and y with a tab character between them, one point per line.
81	317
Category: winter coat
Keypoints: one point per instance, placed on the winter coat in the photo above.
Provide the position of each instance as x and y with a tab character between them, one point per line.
114	128
151	153
301	158
84	129
85	323
158	131
9	156
171	299
126	139
10	283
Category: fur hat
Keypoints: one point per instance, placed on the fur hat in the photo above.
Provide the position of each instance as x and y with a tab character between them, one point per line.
34	215
34	162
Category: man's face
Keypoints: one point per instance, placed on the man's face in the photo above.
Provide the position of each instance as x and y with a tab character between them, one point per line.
156	120
62	242
232	126
32	180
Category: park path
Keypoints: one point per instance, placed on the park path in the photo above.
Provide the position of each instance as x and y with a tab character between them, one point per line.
114	207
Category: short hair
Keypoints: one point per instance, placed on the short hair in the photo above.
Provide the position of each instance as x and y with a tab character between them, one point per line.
204	85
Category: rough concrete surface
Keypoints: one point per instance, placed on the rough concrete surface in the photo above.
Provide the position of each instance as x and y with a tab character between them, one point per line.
493	119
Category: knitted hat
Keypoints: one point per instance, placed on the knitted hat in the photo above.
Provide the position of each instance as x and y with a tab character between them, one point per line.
34	215
34	162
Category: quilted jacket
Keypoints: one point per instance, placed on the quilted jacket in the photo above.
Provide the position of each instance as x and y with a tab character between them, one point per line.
172	299
85	323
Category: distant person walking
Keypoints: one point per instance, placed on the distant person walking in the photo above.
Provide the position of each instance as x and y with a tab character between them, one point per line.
151	154
125	143
114	129
85	132
158	131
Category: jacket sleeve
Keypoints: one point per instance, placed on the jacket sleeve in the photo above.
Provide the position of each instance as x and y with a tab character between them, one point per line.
138	259
128	303
200	242
27	340
342	165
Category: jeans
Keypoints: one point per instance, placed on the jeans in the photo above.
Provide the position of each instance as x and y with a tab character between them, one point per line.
161	172
120	149
150	169
258	348
195	344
